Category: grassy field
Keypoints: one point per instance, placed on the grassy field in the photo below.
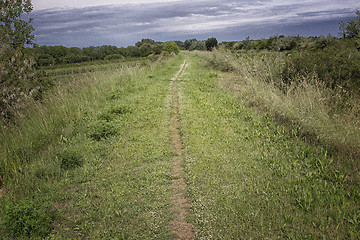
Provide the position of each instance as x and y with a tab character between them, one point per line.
248	179
95	161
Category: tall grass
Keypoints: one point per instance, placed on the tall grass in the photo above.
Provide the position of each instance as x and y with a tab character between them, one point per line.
44	123
329	116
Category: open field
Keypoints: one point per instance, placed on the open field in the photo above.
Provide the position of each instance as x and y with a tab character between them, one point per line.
129	152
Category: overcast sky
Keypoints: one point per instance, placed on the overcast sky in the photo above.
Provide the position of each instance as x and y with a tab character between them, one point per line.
83	23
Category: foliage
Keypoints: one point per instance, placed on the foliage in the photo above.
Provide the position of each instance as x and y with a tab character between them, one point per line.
16	67
198	45
171	47
13	30
51	55
28	218
211	43
188	43
336	63
351	28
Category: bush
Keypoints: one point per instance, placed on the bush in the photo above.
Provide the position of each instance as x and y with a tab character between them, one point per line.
28	219
171	47
337	64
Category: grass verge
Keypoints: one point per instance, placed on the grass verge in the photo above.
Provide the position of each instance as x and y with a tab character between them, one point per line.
307	107
97	154
248	179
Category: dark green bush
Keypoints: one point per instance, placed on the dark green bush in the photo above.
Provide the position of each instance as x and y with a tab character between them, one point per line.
28	219
70	159
337	64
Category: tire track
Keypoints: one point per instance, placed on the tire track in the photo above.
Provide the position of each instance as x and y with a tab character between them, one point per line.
179	226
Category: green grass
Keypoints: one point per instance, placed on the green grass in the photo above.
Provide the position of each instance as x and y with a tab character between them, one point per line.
99	154
248	180
321	114
94	161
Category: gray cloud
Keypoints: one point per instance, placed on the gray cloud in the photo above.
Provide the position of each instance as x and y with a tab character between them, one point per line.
123	25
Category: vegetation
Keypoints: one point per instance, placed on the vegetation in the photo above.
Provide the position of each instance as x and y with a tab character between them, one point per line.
17	82
171	47
269	131
29	219
322	113
51	55
351	28
247	177
211	43
64	155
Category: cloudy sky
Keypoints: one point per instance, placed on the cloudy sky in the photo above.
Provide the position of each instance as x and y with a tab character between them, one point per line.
84	23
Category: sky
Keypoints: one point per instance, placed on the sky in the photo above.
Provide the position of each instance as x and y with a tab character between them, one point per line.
83	23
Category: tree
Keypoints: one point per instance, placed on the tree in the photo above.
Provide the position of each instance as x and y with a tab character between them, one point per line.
188	43
16	68
211	43
198	45
145	41
145	50
13	30
351	28
170	47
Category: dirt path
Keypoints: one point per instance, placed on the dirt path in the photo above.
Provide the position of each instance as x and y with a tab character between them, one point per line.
179	225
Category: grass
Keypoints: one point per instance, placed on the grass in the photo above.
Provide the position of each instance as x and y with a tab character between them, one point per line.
95	159
98	152
320	114
248	179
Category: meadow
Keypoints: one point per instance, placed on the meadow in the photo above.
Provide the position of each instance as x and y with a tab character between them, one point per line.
94	158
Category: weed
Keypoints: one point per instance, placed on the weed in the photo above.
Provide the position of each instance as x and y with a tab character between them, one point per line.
70	159
119	110
101	129
28	218
106	116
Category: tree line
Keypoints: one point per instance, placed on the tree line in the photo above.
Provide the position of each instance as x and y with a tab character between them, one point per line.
51	55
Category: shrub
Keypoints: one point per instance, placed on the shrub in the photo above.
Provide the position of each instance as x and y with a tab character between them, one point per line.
171	47
337	64
28	219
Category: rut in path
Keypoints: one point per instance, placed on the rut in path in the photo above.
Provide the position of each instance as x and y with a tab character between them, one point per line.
179	225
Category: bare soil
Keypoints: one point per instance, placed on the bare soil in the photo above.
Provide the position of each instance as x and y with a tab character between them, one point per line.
179	225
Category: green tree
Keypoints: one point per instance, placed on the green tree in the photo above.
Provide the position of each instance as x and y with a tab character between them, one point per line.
171	47
16	68
145	41
145	50
198	45
211	43
13	30
188	43
351	28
